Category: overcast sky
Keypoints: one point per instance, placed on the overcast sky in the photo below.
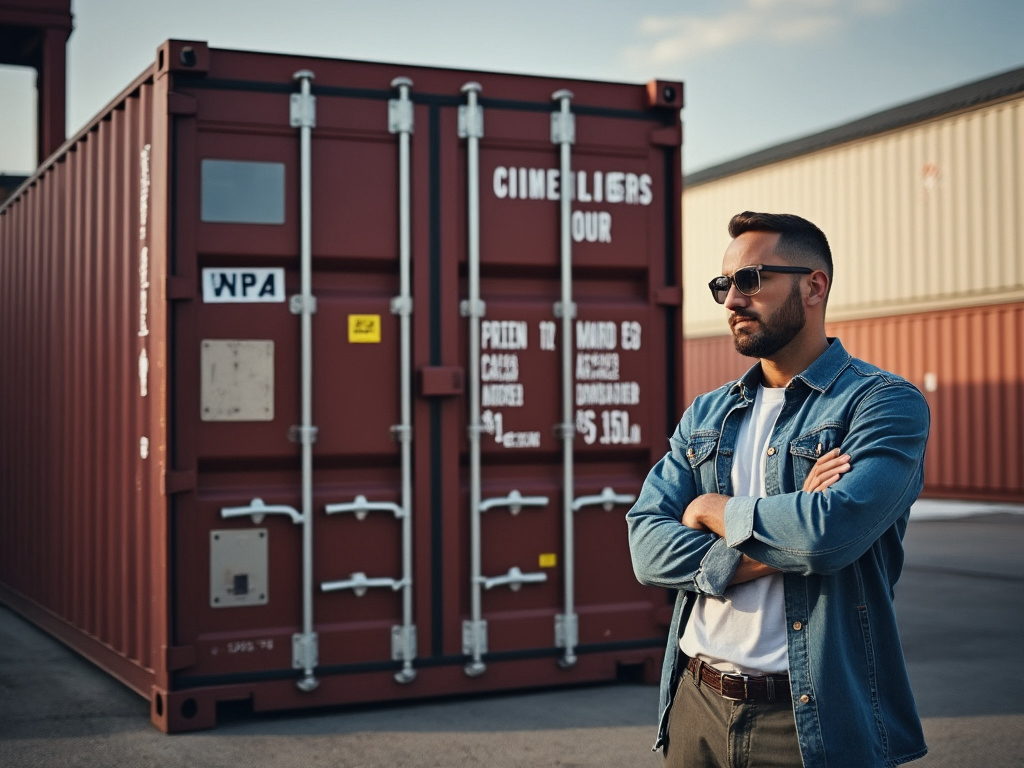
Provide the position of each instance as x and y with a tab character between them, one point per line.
757	72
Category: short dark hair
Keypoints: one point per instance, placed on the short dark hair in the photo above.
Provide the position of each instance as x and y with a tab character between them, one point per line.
800	241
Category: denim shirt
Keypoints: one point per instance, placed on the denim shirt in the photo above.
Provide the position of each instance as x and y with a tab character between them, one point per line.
841	551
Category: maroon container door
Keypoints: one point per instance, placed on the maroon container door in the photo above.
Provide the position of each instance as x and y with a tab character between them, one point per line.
238	391
237	510
622	386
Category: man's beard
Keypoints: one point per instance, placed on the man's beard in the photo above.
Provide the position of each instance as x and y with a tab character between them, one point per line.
774	332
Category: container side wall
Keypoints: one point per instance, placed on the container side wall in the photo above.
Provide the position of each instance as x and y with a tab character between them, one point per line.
74	524
969	364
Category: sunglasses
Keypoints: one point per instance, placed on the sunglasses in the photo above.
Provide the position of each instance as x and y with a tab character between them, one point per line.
748	280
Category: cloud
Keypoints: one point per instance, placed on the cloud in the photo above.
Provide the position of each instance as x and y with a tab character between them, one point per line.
674	39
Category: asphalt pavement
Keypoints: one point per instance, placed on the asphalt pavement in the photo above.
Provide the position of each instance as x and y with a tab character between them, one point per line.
961	611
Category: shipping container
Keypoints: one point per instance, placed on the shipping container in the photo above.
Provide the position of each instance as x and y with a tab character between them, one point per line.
330	382
923	204
969	363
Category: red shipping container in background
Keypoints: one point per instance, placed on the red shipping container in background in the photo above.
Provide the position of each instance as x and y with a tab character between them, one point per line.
331	382
967	362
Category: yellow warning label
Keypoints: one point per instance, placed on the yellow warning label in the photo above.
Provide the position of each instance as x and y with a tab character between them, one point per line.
548	560
364	329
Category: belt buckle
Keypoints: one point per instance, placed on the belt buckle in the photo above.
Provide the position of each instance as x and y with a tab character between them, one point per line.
746	690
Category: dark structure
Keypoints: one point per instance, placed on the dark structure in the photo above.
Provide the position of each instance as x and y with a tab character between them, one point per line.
34	33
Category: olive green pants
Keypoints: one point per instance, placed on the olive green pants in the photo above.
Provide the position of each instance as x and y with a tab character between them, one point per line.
707	731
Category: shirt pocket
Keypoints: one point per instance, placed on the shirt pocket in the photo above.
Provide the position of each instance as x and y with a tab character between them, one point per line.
700	452
811	446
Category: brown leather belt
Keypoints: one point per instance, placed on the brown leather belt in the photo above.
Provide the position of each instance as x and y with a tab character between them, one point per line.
770	688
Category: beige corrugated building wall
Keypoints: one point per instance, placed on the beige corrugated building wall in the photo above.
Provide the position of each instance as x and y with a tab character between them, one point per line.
923	206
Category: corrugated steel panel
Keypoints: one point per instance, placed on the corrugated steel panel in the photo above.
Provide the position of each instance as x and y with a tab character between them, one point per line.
928	217
77	523
142	406
968	362
711	361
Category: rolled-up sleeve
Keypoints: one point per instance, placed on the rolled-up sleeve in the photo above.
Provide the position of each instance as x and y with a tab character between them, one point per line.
739	519
717	568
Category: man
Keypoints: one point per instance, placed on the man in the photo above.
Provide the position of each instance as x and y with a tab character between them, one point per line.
778	514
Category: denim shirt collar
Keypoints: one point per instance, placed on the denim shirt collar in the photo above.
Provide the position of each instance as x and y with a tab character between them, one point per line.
819	375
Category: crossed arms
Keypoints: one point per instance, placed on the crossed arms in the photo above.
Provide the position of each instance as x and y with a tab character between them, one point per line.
683	539
707	511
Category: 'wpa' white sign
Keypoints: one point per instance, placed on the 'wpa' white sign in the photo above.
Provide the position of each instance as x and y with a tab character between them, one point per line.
223	286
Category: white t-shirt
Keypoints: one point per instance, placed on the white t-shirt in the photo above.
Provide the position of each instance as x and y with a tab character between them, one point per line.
744	630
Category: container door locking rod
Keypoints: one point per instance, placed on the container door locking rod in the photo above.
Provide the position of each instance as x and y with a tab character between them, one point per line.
305	653
471	127
400	121
474	631
563	133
